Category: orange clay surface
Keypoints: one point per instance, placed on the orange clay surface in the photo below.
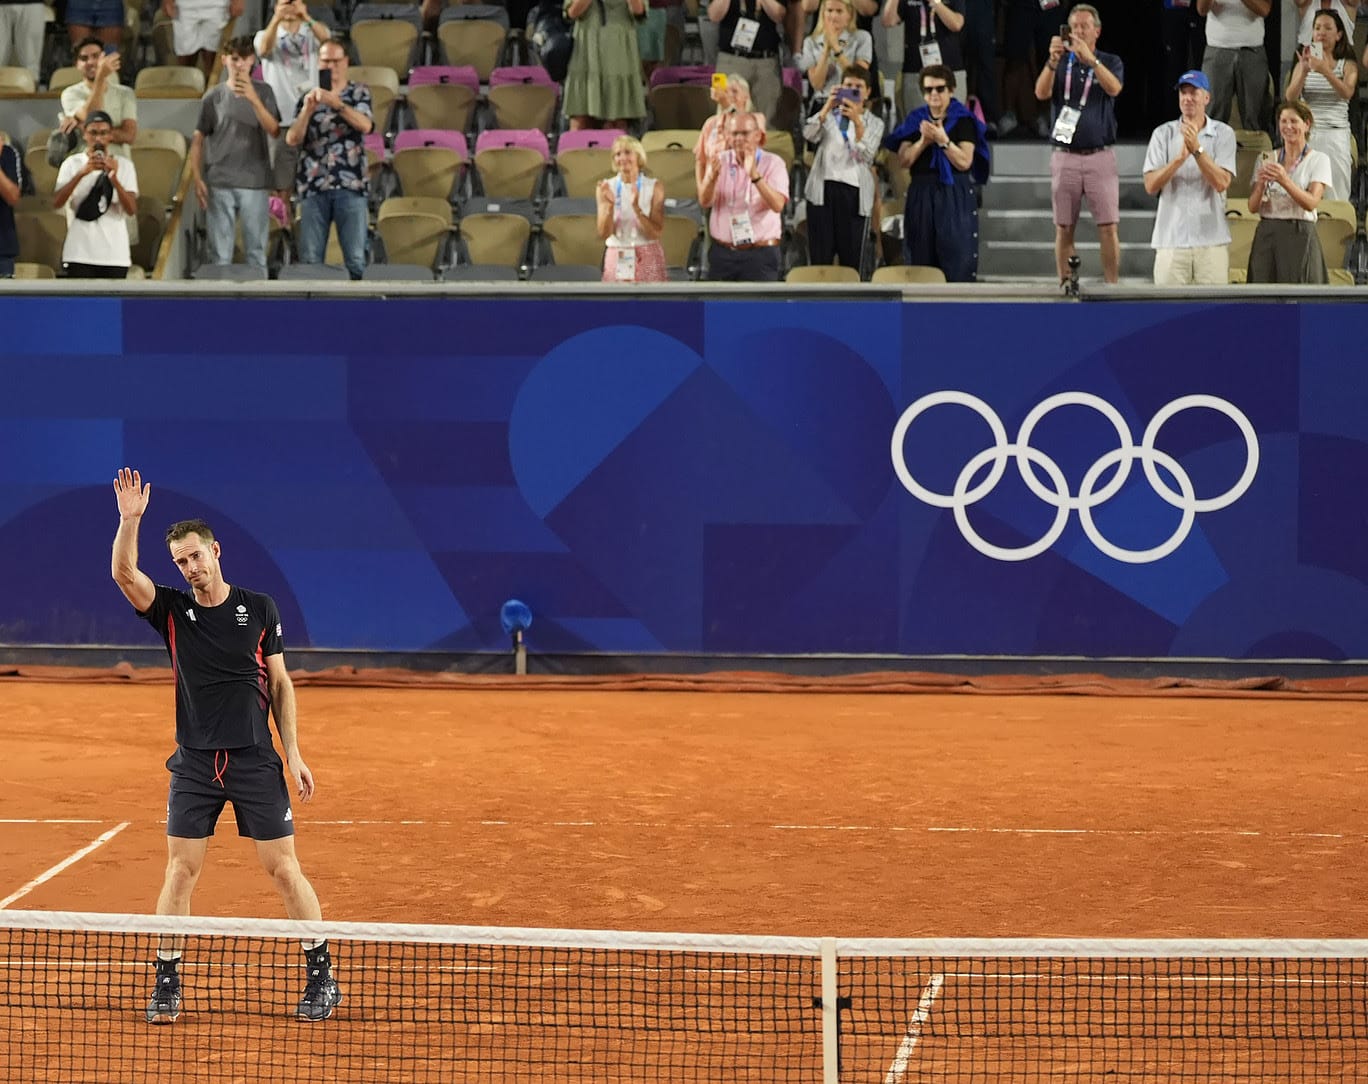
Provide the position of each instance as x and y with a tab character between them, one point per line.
833	813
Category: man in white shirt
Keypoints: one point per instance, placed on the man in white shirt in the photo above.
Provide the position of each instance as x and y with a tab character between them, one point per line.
1189	165
99	192
1235	60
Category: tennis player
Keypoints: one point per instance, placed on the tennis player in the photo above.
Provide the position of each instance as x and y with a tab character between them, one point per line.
229	664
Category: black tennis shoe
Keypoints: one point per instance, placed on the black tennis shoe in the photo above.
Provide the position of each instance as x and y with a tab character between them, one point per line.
165	1005
321	997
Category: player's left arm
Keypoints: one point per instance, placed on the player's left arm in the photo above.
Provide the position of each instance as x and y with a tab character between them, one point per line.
284	710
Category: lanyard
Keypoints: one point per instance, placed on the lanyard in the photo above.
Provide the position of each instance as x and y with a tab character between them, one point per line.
924	16
1282	159
617	196
742	190
1068	84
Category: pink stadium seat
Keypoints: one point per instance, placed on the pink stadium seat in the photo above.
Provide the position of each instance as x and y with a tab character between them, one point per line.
686	73
588	137
432	137
521	73
437	73
530	138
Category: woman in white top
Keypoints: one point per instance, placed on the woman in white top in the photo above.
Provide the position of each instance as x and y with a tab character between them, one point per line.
631	217
1326	83
288	49
733	96
834	45
1288	187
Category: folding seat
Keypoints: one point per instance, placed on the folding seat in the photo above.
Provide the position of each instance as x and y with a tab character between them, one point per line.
465	38
823	273
583	159
569	235
443	97
660	139
523	97
680	105
159	158
151	226
908	275
34	271
491	244
673	167
169	81
15	81
1248	146
36	163
682	240
1241	239
430	162
415	230
511	164
41	236
383	82
387	36
1336	234
695	74
64	77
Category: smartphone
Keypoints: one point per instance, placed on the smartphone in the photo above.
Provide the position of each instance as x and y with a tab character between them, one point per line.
1064	33
843	94
1317	50
325	79
719	81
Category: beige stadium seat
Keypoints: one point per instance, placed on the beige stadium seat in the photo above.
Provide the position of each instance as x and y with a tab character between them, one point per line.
1248	146
823	273
681	105
428	171
16	81
661	139
151	226
385	43
1340	276
510	172
496	239
1340	209
1241	238
478	43
414	229
62	78
574	240
680	239
908	275
169	81
524	105
384	87
581	170
1336	235
674	169
34	271
442	105
159	158
41	236
431	206
36	163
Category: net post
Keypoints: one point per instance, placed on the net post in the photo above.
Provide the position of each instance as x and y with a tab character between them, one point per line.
831	1056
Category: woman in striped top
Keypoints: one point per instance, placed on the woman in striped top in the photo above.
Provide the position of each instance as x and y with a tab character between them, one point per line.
1326	82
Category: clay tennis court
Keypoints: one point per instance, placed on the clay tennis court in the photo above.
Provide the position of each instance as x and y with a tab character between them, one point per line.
852	813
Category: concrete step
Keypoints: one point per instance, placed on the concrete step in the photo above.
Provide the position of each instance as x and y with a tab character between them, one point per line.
1037	226
1024	193
1017	259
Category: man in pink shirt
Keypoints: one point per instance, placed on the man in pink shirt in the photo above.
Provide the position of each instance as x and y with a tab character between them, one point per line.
746	189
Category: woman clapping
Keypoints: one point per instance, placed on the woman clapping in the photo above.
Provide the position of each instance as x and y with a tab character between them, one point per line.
1288	187
631	217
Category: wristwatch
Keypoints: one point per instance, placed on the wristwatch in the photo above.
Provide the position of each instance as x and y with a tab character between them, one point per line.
1199	151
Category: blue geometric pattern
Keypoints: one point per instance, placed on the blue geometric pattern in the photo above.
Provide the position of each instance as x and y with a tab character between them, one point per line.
687	476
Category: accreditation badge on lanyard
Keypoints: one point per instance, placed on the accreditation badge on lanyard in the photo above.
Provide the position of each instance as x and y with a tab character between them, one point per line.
1069	116
626	257
743	37
929	48
742	231
1048	5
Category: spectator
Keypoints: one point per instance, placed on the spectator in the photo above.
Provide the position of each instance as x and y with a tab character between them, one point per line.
288	49
833	46
1235	60
102	19
944	148
1183	32
329	128
197	28
866	16
1308	9
732	96
748	45
978	46
840	187
1189	165
11	181
1028	28
652	35
1326	83
100	91
631	217
1082	91
603	87
230	157
1288	186
746	189
22	25
932	37
99	191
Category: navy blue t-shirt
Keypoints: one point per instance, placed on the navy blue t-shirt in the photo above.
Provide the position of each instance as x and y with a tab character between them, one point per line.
223	698
11	165
916	15
1097	123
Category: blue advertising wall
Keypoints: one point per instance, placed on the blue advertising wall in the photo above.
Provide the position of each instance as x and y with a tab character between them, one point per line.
1147	479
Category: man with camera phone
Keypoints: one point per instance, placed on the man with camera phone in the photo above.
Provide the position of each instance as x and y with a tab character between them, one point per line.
99	192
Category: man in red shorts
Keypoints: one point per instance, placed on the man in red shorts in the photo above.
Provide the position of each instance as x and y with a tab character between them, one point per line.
226	651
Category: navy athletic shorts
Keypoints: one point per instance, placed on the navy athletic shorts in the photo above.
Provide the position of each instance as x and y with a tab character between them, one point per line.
253	779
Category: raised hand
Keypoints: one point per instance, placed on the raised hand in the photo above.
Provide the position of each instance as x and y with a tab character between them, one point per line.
130	493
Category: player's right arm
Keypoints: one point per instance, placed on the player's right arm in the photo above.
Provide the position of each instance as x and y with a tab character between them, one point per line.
132	497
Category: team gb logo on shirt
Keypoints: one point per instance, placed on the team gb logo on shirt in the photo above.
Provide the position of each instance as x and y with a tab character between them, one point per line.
242	615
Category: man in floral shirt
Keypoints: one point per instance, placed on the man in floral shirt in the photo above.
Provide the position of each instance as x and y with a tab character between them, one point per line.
330	130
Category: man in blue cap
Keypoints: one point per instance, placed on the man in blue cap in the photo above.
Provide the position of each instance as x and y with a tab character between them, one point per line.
1189	165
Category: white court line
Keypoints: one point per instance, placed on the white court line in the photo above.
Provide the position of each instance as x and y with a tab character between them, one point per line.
728	826
71	860
898	1069
49	820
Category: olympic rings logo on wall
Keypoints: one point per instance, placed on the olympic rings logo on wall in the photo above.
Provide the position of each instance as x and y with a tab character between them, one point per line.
1090	495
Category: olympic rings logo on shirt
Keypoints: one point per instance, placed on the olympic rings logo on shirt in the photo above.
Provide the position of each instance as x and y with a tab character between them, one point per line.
1055	490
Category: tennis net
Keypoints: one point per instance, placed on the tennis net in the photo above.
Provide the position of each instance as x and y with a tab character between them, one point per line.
449	1003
